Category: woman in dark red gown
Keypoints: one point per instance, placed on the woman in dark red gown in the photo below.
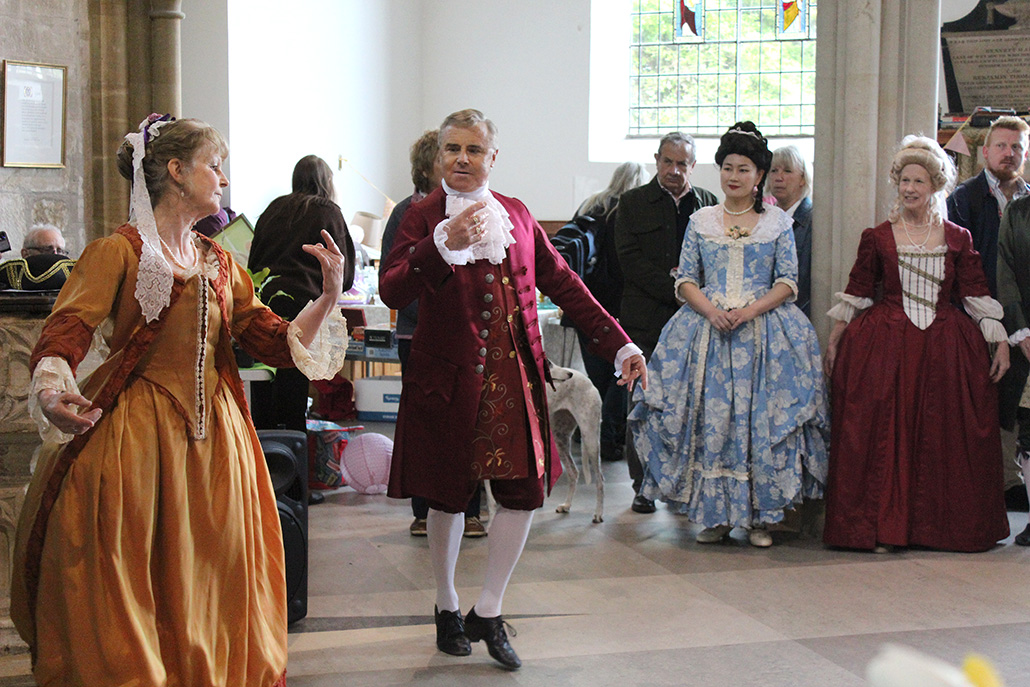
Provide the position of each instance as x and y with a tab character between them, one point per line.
915	456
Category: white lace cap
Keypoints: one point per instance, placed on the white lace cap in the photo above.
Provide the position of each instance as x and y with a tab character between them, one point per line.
154	281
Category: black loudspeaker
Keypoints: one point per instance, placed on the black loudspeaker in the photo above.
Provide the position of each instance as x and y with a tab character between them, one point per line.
286	452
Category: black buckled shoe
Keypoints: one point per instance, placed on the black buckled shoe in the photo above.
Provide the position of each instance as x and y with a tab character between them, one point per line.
450	633
491	631
1022	539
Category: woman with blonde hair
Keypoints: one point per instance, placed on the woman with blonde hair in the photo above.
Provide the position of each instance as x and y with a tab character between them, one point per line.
915	452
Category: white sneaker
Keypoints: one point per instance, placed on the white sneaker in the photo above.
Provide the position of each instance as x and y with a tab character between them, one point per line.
760	537
713	535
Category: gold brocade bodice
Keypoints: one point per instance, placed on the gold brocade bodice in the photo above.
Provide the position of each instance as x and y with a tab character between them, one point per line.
181	360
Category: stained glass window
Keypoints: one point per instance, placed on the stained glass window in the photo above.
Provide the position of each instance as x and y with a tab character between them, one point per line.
701	65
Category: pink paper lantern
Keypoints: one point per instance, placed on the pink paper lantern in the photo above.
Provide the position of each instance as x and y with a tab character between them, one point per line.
366	463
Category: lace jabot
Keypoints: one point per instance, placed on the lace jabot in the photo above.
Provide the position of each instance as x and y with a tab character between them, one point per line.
496	225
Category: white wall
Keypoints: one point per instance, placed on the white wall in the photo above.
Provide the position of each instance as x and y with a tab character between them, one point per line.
364	78
205	69
526	66
326	77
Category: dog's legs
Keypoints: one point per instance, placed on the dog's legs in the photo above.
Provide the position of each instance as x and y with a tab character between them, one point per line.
590	447
563	425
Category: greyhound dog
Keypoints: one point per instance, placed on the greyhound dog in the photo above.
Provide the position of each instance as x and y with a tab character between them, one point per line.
573	401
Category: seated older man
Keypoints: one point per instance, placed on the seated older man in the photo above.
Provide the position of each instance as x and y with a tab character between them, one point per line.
44	264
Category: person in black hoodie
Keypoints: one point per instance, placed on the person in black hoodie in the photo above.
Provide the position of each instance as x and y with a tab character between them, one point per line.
605	282
288	223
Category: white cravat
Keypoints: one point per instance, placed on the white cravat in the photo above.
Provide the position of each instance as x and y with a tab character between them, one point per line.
495	223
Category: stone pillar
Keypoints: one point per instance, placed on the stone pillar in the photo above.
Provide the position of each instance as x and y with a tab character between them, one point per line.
166	56
19	440
876	81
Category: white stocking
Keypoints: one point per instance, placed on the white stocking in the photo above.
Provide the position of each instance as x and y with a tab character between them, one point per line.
444	532
508	532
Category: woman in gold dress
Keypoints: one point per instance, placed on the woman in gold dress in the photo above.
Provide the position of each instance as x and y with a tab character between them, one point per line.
149	550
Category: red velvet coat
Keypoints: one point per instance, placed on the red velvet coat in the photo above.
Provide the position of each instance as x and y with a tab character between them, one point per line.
442	387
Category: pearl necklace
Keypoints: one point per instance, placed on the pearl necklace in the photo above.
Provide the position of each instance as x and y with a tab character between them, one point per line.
178	264
746	210
912	241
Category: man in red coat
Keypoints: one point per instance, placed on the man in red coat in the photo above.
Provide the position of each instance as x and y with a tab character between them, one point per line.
473	405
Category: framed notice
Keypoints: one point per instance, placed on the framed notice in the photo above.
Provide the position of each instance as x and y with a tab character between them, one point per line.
34	114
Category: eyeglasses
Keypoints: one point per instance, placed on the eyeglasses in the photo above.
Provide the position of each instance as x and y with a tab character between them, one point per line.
47	249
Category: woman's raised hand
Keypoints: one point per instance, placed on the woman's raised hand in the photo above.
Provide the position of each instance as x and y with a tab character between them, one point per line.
333	262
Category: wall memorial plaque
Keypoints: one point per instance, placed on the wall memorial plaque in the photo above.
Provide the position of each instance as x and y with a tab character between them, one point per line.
987	68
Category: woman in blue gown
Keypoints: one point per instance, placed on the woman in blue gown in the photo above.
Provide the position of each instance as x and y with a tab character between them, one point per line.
733	428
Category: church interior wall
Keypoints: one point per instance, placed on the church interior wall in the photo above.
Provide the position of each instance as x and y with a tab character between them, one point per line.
51	32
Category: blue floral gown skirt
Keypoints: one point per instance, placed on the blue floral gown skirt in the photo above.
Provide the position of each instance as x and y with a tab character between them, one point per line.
733	428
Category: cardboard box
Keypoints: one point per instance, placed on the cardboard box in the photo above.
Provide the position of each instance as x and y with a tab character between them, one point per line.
378	398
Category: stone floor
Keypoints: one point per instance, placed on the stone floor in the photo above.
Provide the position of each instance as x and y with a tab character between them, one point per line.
635	601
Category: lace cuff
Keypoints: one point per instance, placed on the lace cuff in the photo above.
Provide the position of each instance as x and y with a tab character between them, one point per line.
1017	337
988	313
793	288
848	307
683	280
451	257
627	351
324	358
51	373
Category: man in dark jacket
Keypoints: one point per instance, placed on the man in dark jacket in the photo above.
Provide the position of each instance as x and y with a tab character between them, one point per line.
649	229
978	203
1014	295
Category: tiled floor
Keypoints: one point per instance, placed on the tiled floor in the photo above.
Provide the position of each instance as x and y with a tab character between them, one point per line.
634	601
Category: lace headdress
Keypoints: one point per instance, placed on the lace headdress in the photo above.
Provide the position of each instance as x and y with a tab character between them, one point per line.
154	281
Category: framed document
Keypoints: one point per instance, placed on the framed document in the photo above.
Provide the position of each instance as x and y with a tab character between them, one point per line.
34	114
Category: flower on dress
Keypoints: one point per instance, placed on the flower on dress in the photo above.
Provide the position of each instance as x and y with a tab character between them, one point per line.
737	232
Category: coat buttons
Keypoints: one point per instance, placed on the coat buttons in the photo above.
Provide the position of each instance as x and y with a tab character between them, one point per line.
488	298
411	249
484	333
479	369
485	315
416	270
489	279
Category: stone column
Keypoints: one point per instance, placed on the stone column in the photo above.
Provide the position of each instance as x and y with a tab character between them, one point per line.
166	56
19	440
876	81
